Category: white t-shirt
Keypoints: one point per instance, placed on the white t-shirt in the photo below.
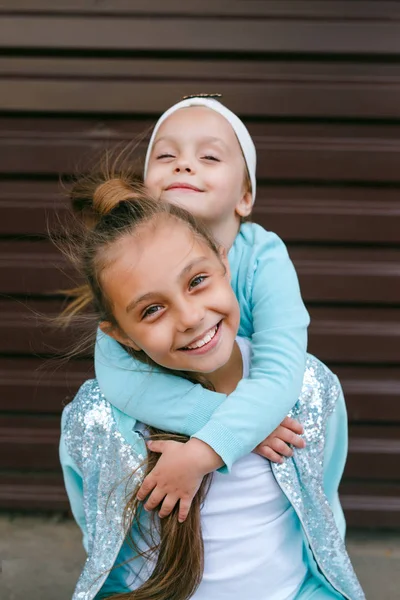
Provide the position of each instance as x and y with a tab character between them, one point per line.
253	545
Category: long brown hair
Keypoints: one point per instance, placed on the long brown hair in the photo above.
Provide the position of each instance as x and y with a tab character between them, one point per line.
118	206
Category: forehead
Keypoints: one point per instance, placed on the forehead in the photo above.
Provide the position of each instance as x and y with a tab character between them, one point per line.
197	122
152	256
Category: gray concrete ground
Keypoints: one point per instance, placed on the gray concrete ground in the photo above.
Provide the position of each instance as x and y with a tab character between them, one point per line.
42	558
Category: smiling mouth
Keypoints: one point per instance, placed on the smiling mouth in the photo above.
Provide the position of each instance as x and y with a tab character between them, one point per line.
177	186
206	339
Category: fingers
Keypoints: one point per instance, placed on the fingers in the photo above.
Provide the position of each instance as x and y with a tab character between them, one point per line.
155	498
168	505
293	425
279	444
184	507
147	486
280	447
289	437
150	482
268	453
157	445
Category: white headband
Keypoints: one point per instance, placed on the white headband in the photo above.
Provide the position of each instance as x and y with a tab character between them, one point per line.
242	134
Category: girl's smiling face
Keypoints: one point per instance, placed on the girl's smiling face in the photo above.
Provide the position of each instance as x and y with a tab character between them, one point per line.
196	162
171	297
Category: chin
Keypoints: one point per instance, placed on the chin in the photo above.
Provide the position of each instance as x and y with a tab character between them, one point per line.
213	366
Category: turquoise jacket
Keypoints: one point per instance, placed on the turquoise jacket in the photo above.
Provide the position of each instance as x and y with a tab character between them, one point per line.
272	315
102	456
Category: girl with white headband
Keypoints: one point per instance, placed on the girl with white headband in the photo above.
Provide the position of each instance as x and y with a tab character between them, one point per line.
201	157
158	280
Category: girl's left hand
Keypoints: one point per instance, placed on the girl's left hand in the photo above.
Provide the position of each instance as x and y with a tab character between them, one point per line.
177	475
276	445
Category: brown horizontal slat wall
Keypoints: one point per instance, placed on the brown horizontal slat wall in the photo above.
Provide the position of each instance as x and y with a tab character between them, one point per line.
316	214
291	152
318	84
284	9
154	32
288	89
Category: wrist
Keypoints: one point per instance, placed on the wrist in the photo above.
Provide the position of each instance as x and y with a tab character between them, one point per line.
206	459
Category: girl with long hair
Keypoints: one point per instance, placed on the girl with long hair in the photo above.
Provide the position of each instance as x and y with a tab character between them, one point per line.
160	285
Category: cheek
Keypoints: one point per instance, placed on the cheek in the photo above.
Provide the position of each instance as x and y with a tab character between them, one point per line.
237	320
227	300
233	309
155	341
226	182
151	185
155	176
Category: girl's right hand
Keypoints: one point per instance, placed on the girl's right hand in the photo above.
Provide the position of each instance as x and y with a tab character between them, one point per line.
276	445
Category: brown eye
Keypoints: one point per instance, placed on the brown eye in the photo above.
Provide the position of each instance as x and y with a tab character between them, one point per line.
196	281
151	310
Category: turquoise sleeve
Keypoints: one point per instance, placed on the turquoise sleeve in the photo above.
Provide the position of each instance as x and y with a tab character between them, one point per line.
261	402
73	484
150	395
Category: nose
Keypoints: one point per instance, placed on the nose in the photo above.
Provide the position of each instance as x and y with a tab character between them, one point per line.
191	315
183	165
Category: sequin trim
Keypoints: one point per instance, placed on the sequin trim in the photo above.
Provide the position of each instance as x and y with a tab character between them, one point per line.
104	457
320	392
106	462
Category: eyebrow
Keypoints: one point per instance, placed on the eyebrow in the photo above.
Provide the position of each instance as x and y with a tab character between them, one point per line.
134	303
206	140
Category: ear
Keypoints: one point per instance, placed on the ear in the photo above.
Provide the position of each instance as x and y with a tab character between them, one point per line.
224	259
244	206
118	335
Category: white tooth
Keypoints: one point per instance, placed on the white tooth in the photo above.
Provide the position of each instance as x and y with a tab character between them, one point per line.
207	338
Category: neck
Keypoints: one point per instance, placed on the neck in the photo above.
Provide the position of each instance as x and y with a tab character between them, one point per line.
226	378
226	231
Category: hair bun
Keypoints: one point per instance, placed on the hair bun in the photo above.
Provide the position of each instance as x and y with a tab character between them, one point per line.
110	193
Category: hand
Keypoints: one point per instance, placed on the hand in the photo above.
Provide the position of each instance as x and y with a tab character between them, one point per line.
277	443
177	475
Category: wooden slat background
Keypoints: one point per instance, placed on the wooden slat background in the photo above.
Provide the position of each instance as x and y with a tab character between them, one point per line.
318	84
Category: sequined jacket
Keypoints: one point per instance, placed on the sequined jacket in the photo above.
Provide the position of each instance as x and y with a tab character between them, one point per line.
100	450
